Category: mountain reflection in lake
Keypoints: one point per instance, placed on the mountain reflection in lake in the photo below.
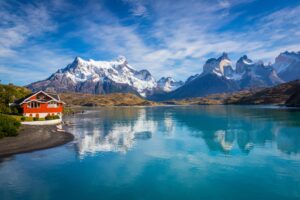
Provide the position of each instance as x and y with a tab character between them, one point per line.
111	130
224	129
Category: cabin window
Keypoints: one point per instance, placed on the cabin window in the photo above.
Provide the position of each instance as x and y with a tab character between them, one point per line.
33	104
52	104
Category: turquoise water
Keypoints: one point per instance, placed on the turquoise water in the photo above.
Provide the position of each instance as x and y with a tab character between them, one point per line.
201	152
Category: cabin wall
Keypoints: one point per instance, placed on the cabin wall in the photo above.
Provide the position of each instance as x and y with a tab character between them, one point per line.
42	111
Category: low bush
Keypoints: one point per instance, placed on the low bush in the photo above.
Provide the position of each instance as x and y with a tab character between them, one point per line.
48	117
8	126
23	118
52	117
29	119
36	119
56	117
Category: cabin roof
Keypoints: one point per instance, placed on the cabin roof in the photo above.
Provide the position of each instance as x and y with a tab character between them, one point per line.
53	97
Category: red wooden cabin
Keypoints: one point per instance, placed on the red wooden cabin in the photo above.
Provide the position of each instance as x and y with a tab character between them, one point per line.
41	104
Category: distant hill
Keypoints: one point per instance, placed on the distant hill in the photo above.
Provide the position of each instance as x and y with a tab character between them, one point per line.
283	94
116	99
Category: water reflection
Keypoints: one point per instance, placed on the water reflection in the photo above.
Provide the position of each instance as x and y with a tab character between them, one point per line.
109	131
223	129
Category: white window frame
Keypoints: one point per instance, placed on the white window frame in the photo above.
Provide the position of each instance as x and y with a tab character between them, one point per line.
33	104
52	104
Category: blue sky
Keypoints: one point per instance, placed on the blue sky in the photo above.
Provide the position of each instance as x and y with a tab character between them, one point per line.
167	37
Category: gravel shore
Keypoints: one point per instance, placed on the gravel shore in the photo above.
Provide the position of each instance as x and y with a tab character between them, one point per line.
33	138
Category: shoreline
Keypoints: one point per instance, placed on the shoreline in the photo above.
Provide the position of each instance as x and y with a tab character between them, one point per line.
33	138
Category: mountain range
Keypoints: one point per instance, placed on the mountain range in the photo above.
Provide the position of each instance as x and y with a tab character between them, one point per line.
103	77
218	76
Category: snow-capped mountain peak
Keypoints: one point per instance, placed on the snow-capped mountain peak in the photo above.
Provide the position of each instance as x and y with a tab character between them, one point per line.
247	74
243	64
122	59
168	84
224	56
103	77
221	66
117	71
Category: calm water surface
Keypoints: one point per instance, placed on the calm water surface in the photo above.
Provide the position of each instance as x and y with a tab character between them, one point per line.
204	152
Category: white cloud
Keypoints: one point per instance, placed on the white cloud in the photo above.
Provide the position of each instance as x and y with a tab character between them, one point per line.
138	7
224	4
22	59
34	21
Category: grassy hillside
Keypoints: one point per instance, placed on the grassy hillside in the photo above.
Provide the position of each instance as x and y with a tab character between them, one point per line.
115	99
294	100
10	93
279	95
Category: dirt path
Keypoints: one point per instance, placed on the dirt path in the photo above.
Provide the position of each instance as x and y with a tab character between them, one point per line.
33	138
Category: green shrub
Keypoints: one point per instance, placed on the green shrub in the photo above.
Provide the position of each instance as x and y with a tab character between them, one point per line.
23	118
29	119
52	117
48	117
36	119
8	126
56	117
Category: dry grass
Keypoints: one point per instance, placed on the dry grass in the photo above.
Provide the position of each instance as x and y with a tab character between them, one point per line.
115	99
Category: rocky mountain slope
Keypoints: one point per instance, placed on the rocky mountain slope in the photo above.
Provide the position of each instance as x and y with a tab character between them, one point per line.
253	75
218	76
168	84
103	77
287	65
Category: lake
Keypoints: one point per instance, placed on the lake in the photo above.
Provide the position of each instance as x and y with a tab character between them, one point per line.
175	152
